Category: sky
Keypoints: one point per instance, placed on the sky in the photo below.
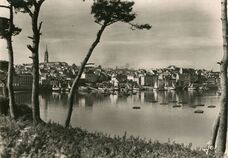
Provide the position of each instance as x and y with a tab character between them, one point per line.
184	33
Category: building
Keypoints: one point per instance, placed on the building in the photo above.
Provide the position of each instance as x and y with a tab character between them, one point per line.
22	82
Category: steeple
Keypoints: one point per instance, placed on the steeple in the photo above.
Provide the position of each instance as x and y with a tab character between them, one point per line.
46	55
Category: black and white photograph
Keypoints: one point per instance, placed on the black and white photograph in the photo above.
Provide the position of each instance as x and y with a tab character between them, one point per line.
113	79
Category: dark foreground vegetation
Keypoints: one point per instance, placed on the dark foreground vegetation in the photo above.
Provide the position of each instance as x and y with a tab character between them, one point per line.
21	139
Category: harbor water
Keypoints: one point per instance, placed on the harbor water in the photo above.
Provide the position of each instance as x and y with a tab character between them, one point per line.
163	116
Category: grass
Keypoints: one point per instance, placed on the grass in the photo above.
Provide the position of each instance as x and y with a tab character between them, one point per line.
21	139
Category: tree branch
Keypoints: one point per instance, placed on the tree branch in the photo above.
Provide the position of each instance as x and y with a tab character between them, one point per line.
98	23
4	6
30	37
140	26
40	25
112	22
30	48
28	10
40	2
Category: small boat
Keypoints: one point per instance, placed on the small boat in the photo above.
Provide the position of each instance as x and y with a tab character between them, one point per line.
198	111
200	105
192	87
135	89
173	87
164	103
56	88
136	107
67	89
218	93
155	88
154	101
134	93
211	106
177	106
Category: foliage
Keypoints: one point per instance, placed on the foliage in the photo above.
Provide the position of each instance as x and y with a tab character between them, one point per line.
107	12
21	139
22	5
4	105
4	30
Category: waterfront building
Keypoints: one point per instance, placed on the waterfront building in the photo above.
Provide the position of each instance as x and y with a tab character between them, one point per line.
22	82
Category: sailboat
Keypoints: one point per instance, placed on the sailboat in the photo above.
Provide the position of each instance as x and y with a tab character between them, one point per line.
173	87
56	88
67	89
192	87
155	86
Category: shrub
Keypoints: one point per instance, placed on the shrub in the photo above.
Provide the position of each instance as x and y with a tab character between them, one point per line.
21	139
4	105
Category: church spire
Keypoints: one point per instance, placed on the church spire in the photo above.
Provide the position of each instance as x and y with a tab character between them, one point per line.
46	55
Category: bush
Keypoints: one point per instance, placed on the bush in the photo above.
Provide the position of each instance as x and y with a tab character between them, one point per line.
4	105
24	112
21	139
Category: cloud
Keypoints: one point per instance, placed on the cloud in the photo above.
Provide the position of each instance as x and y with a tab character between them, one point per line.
183	32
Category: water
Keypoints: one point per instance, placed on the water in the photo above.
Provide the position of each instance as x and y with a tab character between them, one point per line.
114	115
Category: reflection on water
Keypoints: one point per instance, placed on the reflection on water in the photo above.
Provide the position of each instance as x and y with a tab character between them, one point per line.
114	114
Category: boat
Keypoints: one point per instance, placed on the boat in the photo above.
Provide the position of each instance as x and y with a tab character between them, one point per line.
164	103
67	89
83	89
177	106
155	86
200	105
211	106
218	93
173	87
198	111
136	107
192	87
56	88
136	89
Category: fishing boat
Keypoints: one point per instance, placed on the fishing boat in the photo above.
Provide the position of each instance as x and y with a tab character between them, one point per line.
136	107
56	88
164	103
67	89
198	111
192	87
173	87
155	86
211	106
177	106
200	105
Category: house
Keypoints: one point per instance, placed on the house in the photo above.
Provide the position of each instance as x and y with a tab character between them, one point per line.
150	79
22	82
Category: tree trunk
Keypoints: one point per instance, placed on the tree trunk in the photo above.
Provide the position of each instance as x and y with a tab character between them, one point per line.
11	67
76	81
4	89
215	132
35	71
222	130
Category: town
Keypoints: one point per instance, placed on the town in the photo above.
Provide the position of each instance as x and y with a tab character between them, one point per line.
58	77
